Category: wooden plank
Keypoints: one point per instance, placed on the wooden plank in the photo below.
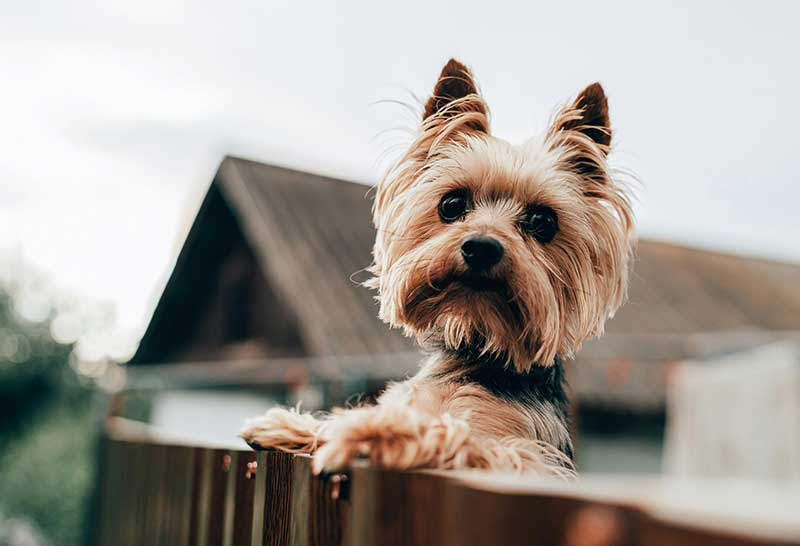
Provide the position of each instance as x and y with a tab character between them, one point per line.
277	497
317	518
244	495
300	504
471	516
219	475
440	509
229	507
153	494
152	497
259	500
328	516
395	508
106	518
200	497
362	528
180	478
137	475
658	533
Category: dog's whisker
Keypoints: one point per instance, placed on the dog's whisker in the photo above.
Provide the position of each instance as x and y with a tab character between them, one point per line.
500	260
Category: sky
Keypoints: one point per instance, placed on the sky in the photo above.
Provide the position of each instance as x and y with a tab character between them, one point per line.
115	115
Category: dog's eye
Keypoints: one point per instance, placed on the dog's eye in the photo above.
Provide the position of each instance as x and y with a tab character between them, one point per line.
454	205
541	222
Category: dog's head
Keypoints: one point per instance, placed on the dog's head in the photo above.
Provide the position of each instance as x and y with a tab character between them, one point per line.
521	251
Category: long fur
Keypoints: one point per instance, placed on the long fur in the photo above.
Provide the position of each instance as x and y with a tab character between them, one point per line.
559	294
491	394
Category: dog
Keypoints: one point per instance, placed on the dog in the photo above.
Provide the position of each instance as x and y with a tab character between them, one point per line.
500	260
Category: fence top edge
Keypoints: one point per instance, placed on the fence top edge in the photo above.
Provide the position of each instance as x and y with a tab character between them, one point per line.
122	429
750	507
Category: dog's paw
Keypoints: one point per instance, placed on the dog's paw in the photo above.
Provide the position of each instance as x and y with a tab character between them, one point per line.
283	430
390	437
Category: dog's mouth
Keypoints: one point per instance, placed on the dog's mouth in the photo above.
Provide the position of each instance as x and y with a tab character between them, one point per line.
428	297
476	283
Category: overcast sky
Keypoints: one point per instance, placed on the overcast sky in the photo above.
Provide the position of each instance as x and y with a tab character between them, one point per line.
115	114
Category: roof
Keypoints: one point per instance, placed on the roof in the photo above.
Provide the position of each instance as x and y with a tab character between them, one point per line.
681	290
311	235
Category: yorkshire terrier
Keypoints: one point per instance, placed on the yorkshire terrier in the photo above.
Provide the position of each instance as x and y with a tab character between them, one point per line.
500	260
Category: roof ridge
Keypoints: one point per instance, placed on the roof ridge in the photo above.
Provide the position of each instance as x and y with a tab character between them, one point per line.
332	178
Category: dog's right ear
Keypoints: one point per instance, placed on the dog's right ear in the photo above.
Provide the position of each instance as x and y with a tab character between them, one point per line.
456	94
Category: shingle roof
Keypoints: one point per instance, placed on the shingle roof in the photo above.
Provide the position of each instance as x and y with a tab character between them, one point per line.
680	290
313	236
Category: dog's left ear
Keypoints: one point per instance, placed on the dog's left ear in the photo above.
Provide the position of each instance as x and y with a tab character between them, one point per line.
589	115
587	118
457	94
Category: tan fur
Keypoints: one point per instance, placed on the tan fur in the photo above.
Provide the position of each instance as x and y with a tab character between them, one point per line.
558	294
423	422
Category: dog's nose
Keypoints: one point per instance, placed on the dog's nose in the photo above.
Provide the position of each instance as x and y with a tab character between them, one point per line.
480	252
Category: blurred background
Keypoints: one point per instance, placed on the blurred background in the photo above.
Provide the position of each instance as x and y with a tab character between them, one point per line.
184	211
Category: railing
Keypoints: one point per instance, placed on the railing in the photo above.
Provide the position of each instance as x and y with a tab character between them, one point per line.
156	491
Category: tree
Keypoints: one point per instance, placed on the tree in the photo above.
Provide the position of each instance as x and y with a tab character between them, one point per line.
47	429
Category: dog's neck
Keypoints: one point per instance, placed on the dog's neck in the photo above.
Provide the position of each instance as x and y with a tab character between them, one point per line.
492	372
542	389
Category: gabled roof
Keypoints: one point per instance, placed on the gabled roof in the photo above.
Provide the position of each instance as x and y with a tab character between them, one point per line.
310	235
313	236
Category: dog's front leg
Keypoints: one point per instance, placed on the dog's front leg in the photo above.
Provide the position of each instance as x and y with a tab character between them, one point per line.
391	436
399	437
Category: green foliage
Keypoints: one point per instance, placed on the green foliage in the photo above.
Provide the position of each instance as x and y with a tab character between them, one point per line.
48	470
32	364
47	432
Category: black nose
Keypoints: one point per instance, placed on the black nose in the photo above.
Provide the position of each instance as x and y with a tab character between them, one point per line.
481	252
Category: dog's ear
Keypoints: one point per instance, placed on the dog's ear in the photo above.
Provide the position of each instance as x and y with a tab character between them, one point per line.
588	118
588	115
455	94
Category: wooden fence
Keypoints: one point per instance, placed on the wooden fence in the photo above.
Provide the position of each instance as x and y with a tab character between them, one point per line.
157	492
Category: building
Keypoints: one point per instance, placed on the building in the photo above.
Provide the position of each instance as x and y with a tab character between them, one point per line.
269	274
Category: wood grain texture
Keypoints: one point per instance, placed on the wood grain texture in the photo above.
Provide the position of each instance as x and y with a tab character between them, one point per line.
278	497
259	500
244	498
420	508
328	517
200	496
395	508
178	498
300	502
218	493
161	494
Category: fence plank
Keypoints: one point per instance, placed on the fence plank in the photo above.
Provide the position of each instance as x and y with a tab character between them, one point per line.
179	483
218	475
300	503
155	494
328	517
201	497
259	499
396	508
244	495
473	516
277	497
